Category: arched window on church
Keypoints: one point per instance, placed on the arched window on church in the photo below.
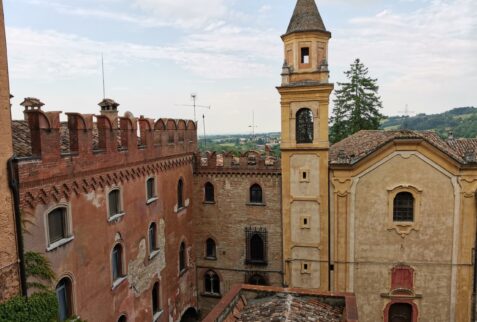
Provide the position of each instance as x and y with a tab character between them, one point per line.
403	207
304	126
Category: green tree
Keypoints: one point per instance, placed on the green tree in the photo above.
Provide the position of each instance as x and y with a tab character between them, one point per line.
357	104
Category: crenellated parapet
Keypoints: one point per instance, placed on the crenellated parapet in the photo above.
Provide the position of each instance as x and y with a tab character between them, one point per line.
104	134
59	157
250	162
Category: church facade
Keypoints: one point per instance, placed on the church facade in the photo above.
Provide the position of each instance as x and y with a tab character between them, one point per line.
139	226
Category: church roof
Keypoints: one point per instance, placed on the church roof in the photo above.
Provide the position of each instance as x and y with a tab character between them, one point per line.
363	143
306	17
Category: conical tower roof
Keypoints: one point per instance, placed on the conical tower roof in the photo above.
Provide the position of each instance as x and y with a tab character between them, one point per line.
306	17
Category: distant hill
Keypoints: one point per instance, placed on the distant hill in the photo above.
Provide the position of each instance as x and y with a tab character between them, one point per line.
462	121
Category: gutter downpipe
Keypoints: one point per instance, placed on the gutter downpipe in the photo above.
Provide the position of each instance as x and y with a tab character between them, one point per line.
329	228
15	188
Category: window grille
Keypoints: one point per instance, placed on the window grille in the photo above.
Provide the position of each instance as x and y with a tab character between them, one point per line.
256	246
304	126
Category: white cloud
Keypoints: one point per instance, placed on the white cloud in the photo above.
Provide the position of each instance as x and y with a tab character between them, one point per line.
426	58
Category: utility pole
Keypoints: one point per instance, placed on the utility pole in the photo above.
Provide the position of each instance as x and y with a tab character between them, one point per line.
194	98
406	113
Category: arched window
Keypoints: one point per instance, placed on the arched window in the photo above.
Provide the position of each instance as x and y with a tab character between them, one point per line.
182	257
257	279
57	225
122	318
153	238
114	202
400	312
256	194
117	262
210	251
63	294
403	209
151	188
180	196
209	192
212	283
156	299
304	126
257	249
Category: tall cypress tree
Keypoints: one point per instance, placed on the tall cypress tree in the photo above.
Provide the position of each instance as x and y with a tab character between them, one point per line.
357	104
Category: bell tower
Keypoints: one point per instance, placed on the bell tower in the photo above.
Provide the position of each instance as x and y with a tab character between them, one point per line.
305	93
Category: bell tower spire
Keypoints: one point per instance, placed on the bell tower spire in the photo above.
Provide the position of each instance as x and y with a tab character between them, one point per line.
305	93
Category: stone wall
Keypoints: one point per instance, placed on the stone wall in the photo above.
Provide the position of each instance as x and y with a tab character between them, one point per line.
9	275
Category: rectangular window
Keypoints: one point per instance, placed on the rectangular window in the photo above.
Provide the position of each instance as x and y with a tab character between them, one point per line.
305	55
116	263
57	225
114	200
305	268
305	222
151	191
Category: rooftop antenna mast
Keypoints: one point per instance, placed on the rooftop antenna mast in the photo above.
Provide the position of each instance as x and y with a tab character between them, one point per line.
205	136
194	105
253	126
102	67
406	113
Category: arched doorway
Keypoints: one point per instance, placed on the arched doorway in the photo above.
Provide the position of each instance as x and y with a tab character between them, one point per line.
400	312
190	315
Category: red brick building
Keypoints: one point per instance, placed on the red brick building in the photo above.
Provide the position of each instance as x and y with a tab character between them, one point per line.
111	210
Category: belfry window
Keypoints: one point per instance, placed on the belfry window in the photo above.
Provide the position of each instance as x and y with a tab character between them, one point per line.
63	294
305	55
212	283
403	207
304	126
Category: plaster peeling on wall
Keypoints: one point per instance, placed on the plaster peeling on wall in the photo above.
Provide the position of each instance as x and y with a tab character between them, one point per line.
142	271
95	199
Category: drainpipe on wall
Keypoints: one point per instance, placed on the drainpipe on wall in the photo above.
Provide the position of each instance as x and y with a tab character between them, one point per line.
15	188
330	266
474	291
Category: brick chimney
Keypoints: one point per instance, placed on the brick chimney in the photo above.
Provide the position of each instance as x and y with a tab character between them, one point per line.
109	108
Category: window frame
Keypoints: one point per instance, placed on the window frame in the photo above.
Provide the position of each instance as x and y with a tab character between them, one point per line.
156	307
68	287
251	198
404	228
121	273
250	233
211	282
209	256
121	213
183	265
153	251
151	197
402	210
309	127
180	194
209	192
67	227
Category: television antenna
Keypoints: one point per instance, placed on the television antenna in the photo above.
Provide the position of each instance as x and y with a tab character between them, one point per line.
102	69
253	126
194	105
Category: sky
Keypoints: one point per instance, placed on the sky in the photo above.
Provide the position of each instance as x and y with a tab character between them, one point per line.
229	53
